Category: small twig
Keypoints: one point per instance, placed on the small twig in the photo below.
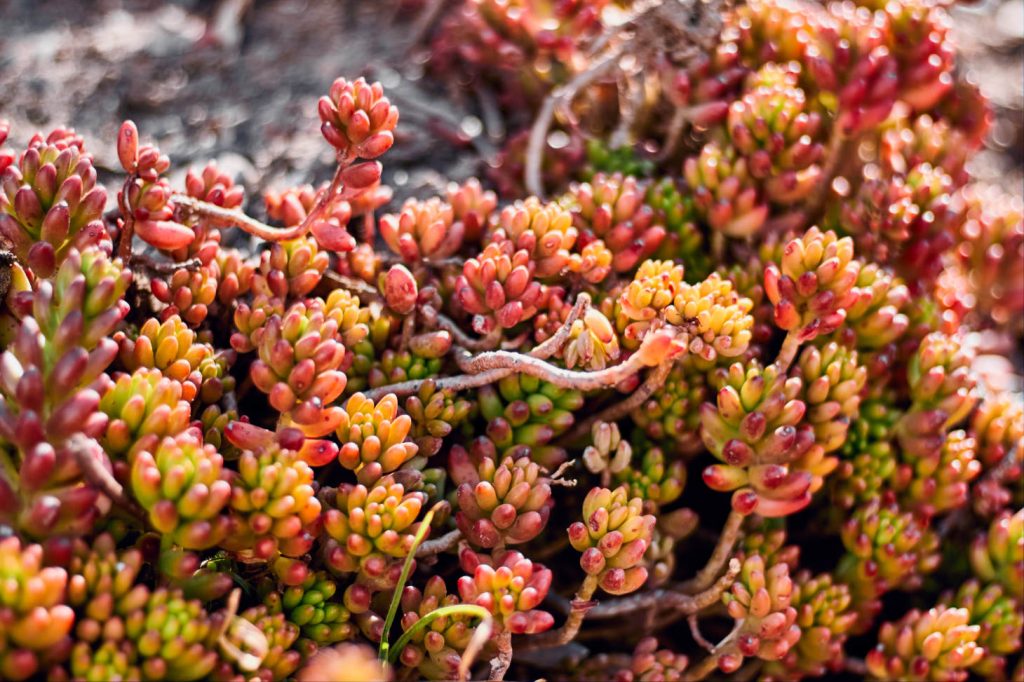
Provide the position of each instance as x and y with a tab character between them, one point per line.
675	133
459	382
790	346
580	605
84	451
503	660
434	547
706	666
162	267
695	632
556	477
682	604
461	338
365	292
554	344
462	381
563	378
706	576
655	380
560	97
219	215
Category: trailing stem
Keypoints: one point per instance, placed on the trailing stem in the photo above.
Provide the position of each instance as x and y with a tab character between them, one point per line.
726	540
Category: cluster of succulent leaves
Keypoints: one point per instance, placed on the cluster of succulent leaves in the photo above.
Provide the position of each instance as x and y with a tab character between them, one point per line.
758	293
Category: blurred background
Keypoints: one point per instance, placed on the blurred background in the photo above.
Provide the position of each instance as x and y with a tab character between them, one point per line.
237	81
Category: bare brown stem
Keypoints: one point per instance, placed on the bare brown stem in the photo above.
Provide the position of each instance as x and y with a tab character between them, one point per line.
511	363
365	292
429	548
790	346
226	217
162	267
554	344
85	450
706	576
503	660
695	632
561	97
564	378
489	342
682	604
655	380
581	604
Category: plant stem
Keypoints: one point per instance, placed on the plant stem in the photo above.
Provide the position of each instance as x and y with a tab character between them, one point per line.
162	267
365	292
506	363
554	344
489	342
581	604
655	380
790	346
560	97
683	604
501	663
84	451
563	378
707	575
227	217
431	548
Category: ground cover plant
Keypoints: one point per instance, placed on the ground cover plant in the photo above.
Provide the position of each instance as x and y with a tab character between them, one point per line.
706	377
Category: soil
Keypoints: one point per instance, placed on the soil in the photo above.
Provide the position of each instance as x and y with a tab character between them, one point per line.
237	81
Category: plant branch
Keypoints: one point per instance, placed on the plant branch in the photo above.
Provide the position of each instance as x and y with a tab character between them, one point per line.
431	548
85	451
564	378
682	604
163	267
461	338
790	346
554	344
462	382
226	217
503	660
706	576
366	292
580	605
560	97
655	380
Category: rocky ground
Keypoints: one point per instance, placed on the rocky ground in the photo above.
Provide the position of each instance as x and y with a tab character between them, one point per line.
237	81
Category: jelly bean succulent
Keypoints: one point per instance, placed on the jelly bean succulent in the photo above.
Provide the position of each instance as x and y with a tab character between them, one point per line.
737	242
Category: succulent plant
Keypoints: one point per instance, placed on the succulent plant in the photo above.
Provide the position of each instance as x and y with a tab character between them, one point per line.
36	620
937	644
511	587
309	606
757	430
500	502
435	651
998	555
612	538
180	483
371	528
750	240
887	549
760	601
51	202
524	413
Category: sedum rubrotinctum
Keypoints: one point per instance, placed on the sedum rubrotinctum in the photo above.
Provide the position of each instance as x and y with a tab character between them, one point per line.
737	323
